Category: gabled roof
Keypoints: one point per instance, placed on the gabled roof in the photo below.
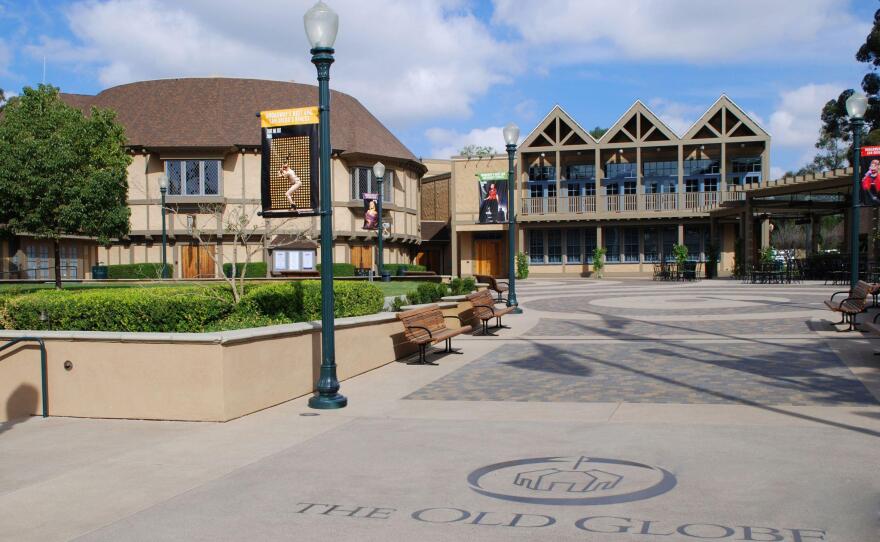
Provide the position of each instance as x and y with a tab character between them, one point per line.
630	126
724	118
574	131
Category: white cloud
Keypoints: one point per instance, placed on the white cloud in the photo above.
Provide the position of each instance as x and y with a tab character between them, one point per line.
678	116
685	30
406	61
796	121
446	143
776	172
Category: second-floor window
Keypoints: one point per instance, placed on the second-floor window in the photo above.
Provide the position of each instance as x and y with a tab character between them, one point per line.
362	182
193	177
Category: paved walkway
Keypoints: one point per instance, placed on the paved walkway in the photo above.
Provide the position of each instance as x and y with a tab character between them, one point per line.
610	410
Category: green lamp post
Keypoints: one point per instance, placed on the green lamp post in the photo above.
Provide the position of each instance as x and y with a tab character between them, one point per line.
163	189
379	175
321	24
511	137
856	105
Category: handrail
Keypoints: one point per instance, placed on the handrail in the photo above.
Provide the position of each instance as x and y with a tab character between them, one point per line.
44	379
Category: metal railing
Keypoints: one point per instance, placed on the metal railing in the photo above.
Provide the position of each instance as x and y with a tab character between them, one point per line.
628	203
661	202
44	378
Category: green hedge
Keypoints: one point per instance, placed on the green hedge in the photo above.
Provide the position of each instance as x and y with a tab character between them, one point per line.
254	270
340	269
427	292
350	299
460	286
184	309
399	268
138	271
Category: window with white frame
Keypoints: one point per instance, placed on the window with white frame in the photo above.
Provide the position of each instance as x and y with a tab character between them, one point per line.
362	182
193	177
536	246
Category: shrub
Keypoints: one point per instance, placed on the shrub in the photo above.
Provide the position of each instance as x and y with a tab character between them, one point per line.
427	292
275	300
460	286
397	303
138	271
599	260
680	253
399	268
341	269
184	309
254	270
350	299
522	265
238	320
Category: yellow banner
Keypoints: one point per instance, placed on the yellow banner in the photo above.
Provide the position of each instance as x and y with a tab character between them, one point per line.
288	117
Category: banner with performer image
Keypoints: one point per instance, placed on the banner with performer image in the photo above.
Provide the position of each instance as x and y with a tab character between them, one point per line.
493	197
371	211
289	176
870	173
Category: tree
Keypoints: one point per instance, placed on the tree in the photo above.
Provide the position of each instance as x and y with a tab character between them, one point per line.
472	150
598	132
2	99
62	173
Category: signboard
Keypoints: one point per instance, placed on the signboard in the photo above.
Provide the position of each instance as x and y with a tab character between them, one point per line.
289	176
870	171
493	197
371	211
293	260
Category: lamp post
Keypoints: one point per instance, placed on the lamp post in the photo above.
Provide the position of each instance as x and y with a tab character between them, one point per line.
511	136
379	174
163	189
321	25
856	105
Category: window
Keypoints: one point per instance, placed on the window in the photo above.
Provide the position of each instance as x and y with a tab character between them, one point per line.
612	189
536	246
630	244
589	189
589	244
193	177
612	244
652	188
69	262
701	167
650	237
613	171
670	238
581	172
710	184
746	165
362	182
660	169
573	246
692	237
545	173
629	187
692	185
554	246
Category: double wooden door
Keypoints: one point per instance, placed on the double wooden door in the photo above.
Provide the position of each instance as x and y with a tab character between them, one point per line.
487	258
198	261
362	256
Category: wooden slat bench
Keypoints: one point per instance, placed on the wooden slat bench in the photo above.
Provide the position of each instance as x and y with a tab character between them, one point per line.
425	326
485	309
498	286
853	304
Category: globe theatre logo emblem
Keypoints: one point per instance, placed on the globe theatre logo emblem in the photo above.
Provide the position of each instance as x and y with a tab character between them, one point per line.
577	480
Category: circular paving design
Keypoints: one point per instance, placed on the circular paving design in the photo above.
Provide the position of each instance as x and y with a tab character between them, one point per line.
682	302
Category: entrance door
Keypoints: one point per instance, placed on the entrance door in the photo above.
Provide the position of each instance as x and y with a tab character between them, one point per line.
362	256
198	261
488	257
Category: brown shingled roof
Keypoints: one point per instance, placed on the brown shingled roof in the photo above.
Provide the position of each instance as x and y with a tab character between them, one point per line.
220	112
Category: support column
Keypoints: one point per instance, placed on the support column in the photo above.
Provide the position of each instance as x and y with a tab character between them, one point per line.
598	238
454	253
765	233
639	199
748	238
813	248
680	233
722	184
679	189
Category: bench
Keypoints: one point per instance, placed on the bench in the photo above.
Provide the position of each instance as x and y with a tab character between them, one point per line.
498	286
850	306
485	309
424	326
408	273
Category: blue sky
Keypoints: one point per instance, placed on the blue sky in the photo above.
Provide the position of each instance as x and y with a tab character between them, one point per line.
445	73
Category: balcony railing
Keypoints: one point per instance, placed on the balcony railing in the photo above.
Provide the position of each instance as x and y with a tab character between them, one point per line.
628	203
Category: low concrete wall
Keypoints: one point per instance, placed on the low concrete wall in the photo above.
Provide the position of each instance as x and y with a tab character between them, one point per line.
181	376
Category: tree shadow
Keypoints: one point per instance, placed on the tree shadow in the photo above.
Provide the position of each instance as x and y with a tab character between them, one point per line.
21	404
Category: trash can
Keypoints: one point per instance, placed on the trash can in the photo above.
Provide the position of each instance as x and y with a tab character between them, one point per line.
386	276
99	272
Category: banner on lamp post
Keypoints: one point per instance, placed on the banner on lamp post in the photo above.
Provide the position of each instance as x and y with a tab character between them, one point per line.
289	173
493	197
870	171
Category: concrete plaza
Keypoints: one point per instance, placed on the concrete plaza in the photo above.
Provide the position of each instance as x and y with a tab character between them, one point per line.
610	410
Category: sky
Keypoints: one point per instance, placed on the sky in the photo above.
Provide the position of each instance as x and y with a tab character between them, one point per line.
442	74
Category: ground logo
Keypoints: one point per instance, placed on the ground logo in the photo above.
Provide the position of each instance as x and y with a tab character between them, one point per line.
578	480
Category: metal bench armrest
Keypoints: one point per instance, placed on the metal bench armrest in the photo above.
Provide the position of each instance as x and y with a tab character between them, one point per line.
847	292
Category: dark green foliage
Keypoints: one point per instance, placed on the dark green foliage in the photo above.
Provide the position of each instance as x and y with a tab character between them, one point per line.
185	309
239	320
254	270
427	292
138	271
276	300
62	173
460	286
341	269
522	265
399	268
350	299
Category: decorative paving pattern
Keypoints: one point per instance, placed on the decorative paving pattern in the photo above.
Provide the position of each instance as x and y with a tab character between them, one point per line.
622	328
752	372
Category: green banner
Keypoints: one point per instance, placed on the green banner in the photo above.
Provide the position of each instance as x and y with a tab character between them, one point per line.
497	176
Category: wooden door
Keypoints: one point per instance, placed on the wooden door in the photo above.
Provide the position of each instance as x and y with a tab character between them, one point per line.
488	257
198	261
362	256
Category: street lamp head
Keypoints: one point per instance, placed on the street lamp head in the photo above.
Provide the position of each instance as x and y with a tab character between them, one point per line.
378	170
163	182
321	24
856	105
511	133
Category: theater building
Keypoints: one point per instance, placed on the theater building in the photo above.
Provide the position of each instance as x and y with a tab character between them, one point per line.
203	135
636	191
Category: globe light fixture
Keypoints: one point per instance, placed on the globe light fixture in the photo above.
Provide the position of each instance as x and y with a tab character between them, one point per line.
322	24
857	105
511	133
